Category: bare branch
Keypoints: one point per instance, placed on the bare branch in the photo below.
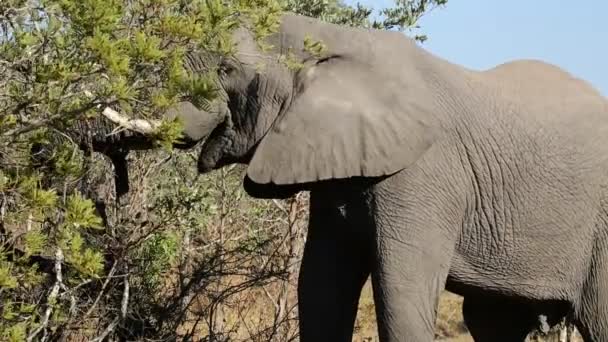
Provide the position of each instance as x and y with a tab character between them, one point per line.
107	330
52	295
29	126
123	312
101	292
125	298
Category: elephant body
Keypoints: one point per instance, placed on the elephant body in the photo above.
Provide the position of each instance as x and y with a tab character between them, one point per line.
425	175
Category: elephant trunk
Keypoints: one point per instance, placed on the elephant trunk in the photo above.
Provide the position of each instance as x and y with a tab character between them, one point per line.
114	135
198	124
104	137
94	135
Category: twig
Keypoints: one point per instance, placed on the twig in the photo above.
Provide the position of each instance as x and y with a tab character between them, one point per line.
276	305
29	126
101	292
107	330
125	298
52	295
123	312
67	291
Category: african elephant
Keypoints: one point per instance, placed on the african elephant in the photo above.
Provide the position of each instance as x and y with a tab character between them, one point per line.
424	175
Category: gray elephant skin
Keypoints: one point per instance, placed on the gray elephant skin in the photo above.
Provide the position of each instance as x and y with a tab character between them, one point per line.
423	175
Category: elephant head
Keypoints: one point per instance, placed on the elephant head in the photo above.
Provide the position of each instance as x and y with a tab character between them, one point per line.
342	115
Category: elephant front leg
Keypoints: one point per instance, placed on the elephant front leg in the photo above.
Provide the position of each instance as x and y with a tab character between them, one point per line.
334	269
410	269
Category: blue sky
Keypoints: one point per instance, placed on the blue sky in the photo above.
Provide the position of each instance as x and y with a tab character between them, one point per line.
482	33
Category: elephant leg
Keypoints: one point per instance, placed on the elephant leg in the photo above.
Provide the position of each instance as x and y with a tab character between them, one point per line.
409	273
334	269
591	313
413	253
497	320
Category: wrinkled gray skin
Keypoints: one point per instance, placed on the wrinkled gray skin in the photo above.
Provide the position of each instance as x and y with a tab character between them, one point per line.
423	175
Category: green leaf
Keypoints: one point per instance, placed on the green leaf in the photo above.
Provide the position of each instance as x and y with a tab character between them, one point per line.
147	48
111	52
35	242
80	213
40	199
7	280
87	261
169	132
27	39
158	253
291	61
16	332
27	308
4	181
314	47
91	262
32	276
67	160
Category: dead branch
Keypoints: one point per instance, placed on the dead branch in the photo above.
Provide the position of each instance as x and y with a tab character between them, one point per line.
107	330
123	312
101	292
52	295
125	298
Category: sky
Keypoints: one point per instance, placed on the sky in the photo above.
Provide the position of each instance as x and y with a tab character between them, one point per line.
480	34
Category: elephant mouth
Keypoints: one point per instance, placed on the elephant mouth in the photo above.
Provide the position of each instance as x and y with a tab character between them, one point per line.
212	151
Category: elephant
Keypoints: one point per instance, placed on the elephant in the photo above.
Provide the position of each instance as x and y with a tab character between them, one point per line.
423	175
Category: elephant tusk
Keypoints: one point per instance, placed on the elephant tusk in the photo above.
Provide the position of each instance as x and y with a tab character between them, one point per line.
145	127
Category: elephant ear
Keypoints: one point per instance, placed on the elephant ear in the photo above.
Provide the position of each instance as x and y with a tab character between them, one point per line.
346	120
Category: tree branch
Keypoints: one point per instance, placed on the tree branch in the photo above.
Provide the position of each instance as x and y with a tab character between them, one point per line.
123	312
52	295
